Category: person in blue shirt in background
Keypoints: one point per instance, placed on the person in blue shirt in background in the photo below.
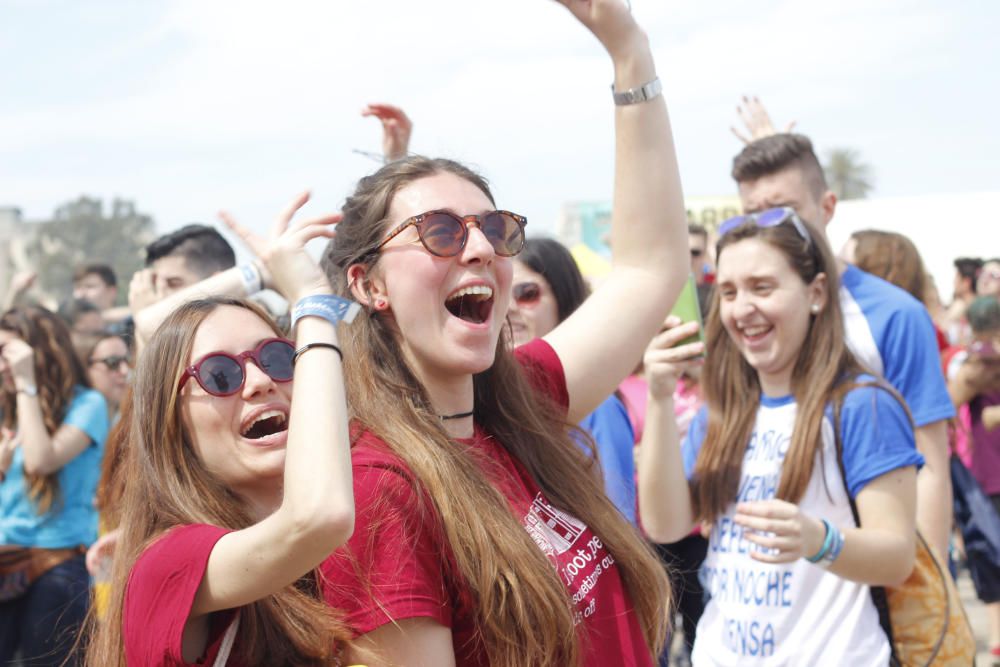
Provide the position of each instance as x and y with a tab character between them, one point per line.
547	288
54	427
889	331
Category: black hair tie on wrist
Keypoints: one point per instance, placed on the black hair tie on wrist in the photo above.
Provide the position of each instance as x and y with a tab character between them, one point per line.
309	346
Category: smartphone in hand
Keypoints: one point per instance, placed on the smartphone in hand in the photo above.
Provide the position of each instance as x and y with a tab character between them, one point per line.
688	310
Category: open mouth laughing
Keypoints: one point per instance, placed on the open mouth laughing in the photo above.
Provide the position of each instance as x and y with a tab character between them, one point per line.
471	304
265	426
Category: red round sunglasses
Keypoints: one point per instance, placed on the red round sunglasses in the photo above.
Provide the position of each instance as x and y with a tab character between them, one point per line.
527	293
444	233
224	374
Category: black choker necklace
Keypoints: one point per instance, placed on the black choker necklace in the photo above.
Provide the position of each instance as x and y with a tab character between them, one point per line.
457	415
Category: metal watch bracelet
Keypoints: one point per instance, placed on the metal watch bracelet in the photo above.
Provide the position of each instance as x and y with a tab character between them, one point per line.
643	93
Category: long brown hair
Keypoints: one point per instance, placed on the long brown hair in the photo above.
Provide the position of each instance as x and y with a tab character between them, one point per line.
522	608
167	486
58	372
823	371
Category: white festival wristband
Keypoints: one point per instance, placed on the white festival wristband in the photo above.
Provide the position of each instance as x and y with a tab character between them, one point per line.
252	281
331	308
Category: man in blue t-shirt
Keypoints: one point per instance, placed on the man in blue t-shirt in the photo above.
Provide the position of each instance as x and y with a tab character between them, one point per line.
887	329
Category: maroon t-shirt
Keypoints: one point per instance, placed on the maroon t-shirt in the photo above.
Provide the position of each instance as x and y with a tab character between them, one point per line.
160	593
396	564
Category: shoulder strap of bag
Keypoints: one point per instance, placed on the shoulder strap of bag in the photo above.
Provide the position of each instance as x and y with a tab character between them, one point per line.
226	647
878	594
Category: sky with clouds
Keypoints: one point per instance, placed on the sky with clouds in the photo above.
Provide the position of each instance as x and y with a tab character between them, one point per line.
189	106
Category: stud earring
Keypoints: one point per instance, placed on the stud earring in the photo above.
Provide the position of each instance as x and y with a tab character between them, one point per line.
380	304
814	308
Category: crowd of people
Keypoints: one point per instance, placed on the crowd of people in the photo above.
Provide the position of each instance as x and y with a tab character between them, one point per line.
502	463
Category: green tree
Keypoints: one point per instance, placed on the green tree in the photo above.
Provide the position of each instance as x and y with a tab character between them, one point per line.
80	232
847	175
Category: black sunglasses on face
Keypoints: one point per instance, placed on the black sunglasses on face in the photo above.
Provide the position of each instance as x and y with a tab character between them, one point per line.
114	362
223	374
444	233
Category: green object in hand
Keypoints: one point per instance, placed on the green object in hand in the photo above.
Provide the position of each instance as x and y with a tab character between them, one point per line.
688	310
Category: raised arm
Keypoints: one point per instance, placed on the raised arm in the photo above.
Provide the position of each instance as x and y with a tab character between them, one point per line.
603	340
396	129
230	282
44	452
664	494
19	284
756	121
316	514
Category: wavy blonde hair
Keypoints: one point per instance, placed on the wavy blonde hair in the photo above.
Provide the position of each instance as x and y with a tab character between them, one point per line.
522	608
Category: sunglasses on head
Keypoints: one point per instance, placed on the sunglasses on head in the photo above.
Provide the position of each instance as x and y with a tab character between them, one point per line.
527	294
444	233
114	362
223	374
772	217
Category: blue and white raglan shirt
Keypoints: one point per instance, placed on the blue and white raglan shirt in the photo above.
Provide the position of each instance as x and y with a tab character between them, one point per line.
798	613
891	333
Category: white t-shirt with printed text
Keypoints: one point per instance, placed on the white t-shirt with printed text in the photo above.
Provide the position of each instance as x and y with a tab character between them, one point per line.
798	613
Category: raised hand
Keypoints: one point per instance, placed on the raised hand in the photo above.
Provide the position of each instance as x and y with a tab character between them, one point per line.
396	129
781	528
611	22
756	121
20	359
664	363
283	254
142	290
22	280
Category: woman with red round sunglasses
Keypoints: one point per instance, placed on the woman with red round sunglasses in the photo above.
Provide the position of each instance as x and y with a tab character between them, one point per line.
483	535
548	288
230	503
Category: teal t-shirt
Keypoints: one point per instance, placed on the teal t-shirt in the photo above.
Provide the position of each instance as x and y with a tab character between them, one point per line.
72	520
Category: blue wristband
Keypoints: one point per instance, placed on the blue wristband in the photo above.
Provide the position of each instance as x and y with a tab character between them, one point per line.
827	541
331	308
836	546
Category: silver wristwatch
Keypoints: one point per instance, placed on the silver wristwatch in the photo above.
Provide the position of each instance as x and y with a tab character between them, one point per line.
637	95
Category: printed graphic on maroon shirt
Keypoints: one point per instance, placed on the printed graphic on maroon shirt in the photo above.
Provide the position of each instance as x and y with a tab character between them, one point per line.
578	554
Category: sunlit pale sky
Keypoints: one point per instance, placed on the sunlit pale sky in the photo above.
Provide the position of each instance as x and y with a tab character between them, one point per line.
191	106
